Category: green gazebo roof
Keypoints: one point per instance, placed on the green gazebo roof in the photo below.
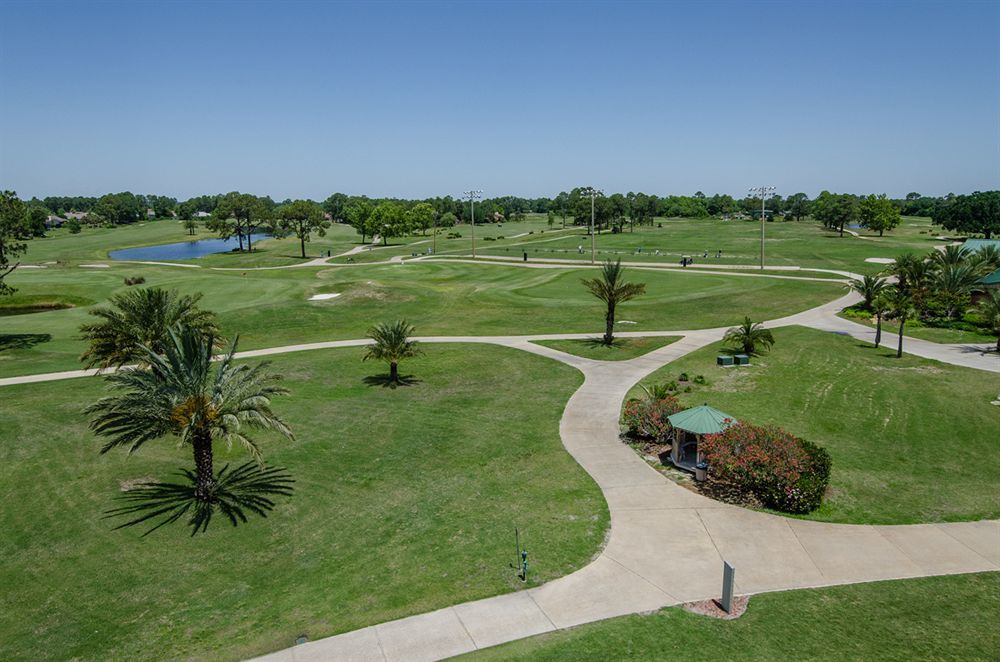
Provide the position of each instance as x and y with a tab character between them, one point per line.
991	279
701	420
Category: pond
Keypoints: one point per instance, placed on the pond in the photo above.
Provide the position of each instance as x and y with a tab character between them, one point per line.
182	250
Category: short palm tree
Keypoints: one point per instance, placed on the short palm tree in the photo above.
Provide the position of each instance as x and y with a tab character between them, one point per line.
953	284
392	344
869	287
751	337
612	290
184	394
141	318
989	308
987	259
901	308
952	254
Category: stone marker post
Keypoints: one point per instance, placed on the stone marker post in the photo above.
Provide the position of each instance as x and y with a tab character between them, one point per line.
728	579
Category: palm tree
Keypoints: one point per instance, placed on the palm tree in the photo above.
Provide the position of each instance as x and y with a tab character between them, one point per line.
880	306
951	255
752	338
953	284
869	287
989	308
140	319
901	308
186	395
392	345
612	290
987	259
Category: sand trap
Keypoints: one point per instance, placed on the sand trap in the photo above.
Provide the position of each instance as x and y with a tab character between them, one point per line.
880	260
324	297
626	322
32	266
96	266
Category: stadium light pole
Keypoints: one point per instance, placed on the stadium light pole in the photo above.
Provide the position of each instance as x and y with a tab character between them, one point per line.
593	193
763	193
472	196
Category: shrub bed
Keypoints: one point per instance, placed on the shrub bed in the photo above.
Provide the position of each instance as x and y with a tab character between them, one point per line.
646	418
784	472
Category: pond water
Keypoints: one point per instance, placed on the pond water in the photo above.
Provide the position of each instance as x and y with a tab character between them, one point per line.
182	250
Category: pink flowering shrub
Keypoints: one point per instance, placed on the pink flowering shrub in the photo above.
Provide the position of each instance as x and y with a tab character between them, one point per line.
786	473
647	417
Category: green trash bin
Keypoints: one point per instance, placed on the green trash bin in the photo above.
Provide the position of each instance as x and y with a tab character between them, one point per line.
742	359
724	360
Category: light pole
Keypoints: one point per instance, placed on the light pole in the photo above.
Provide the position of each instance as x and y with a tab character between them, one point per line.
472	196
763	193
593	193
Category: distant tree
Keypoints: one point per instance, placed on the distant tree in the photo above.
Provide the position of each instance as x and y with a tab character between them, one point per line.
392	344
138	320
74	226
447	220
878	213
358	214
35	221
752	338
388	220
12	233
869	287
612	289
120	208
835	211
978	213
335	206
420	217
240	214
190	225
798	205
186	395
302	218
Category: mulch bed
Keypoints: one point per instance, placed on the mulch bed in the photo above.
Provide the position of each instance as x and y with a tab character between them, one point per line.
713	609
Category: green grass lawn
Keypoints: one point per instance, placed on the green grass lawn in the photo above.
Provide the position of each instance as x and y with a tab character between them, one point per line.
405	501
622	349
934	618
912	440
789	243
271	307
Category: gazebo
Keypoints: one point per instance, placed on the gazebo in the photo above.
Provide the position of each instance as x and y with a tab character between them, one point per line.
688	427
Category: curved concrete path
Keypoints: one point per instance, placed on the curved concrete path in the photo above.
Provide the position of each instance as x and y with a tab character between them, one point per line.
666	544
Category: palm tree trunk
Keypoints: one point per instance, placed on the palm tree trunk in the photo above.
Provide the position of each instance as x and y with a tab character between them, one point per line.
899	350
609	325
878	330
204	475
393	372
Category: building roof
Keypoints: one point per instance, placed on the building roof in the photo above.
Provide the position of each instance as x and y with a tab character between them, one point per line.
702	420
990	279
975	244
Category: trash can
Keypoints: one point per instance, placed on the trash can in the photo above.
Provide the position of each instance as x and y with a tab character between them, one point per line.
701	472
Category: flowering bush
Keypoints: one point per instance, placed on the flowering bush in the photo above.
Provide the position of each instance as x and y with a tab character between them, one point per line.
786	473
647	417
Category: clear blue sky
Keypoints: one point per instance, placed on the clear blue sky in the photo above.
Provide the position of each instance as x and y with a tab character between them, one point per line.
419	99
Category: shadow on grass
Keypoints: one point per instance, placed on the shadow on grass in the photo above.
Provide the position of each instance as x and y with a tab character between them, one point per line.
385	381
22	340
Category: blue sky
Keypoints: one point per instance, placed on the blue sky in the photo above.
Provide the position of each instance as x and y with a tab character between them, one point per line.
419	99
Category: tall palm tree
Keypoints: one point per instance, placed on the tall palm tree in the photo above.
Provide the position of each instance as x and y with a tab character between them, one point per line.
869	287
392	345
186	395
989	308
612	290
140	319
751	337
880	306
902	308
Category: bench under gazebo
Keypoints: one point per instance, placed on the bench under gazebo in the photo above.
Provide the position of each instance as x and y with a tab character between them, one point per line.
688	428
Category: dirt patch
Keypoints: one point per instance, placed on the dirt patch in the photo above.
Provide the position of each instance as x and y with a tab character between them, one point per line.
135	483
713	609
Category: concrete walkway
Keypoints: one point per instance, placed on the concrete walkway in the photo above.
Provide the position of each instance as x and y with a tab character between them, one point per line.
666	544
